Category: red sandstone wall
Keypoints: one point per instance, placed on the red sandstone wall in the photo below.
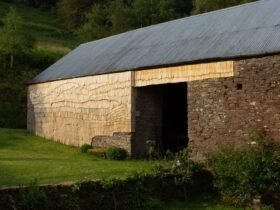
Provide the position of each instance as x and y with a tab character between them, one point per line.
220	112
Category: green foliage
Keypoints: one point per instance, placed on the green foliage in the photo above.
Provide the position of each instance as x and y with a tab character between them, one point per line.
43	4
42	58
97	25
245	173
116	153
119	16
13	94
73	12
184	170
153	12
42	25
202	6
32	197
99	152
202	204
18	27
85	147
152	149
169	155
14	39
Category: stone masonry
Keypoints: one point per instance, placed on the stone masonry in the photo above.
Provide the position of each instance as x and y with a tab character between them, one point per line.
224	111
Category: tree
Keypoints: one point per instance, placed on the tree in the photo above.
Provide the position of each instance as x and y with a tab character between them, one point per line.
202	6
44	4
184	7
14	39
117	16
122	16
97	24
73	12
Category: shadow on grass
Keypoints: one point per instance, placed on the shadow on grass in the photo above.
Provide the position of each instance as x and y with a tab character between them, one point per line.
12	137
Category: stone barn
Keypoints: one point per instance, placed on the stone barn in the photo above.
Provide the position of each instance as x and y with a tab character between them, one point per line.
199	81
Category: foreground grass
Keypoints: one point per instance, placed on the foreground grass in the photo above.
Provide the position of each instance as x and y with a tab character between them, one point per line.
207	205
24	158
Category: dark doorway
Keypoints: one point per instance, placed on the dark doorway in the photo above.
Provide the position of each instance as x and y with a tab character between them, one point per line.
174	117
161	115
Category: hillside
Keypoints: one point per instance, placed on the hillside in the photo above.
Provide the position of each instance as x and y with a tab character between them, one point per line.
44	26
52	41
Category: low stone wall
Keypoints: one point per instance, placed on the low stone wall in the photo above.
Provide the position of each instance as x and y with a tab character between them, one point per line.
224	111
122	140
134	192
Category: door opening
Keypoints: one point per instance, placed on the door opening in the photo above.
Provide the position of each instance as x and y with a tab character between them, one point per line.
174	117
161	115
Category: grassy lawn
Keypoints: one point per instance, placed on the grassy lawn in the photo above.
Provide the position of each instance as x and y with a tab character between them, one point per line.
24	157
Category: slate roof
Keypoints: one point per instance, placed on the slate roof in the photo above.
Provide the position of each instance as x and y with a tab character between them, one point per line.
245	30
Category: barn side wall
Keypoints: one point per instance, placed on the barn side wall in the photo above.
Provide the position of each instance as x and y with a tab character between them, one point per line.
74	111
226	110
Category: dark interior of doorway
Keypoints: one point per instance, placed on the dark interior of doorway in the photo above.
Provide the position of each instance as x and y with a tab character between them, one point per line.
161	115
174	117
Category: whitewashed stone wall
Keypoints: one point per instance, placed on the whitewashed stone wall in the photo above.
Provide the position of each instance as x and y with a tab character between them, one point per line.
73	111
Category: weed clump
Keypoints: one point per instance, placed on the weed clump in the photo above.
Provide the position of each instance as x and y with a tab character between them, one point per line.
84	148
116	153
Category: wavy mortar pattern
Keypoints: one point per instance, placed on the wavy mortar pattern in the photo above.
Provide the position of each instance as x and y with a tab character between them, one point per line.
73	111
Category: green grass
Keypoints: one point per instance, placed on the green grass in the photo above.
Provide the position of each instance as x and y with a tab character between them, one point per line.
24	158
44	26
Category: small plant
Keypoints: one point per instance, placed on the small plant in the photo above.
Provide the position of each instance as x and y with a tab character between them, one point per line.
116	153
184	170
84	148
169	155
151	149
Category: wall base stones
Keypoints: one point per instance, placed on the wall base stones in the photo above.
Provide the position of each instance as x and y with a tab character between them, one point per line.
122	140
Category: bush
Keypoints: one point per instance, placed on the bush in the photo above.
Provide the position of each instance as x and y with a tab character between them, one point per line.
84	148
246	173
116	153
32	197
185	171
